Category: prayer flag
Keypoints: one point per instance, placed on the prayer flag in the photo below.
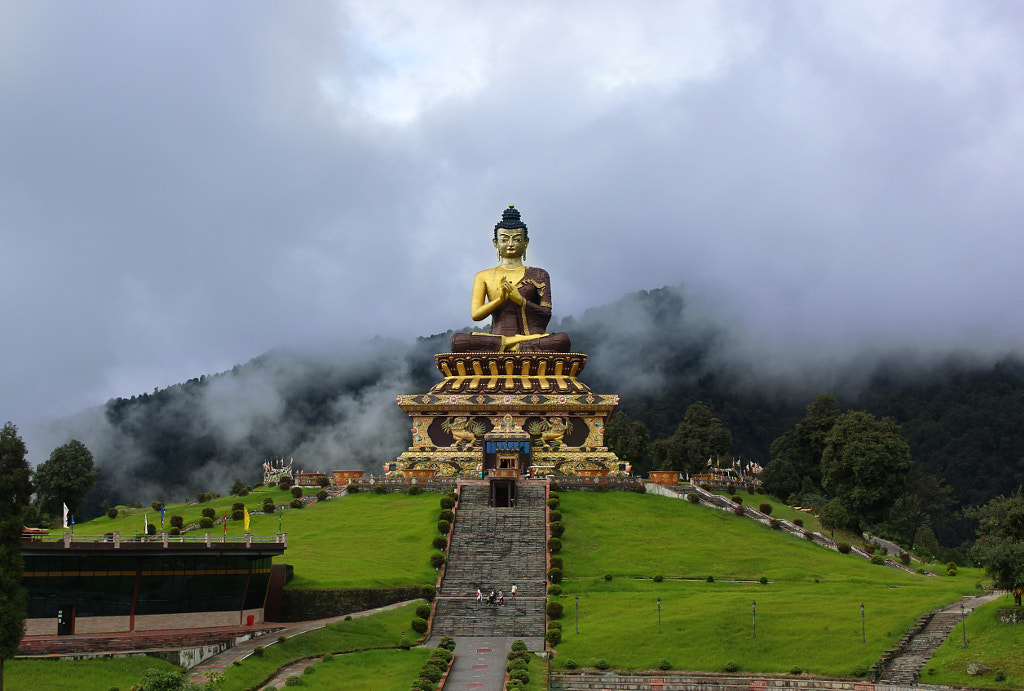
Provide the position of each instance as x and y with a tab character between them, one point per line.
162	516
225	522
145	520
246	520
65	515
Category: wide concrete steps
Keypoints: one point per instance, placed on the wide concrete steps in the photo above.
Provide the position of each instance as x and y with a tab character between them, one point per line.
493	548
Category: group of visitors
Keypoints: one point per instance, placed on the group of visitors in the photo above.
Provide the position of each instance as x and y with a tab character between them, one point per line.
495	598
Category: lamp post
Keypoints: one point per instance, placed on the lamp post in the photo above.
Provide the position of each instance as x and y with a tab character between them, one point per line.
753	606
577	614
963	622
862	638
659	615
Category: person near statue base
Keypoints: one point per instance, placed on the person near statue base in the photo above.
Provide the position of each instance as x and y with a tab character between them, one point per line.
516	297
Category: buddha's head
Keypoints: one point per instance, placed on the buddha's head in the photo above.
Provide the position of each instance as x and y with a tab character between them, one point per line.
511	237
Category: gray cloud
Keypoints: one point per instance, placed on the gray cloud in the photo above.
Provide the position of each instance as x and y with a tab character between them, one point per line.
183	187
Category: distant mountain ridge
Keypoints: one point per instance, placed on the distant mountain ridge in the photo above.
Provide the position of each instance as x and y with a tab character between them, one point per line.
961	415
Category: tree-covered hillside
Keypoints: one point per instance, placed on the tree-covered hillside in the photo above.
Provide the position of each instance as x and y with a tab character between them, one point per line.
961	416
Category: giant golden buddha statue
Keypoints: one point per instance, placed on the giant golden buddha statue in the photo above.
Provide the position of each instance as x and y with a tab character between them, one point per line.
516	297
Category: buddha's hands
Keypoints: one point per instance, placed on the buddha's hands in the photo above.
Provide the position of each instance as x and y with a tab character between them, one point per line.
509	292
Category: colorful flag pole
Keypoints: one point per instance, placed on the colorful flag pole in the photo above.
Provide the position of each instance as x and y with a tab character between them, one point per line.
245	524
145	526
65	516
225	522
72	524
162	508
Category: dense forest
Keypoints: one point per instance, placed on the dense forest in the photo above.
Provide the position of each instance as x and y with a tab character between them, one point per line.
960	414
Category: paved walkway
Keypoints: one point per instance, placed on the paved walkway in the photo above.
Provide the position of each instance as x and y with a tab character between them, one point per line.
221	661
480	661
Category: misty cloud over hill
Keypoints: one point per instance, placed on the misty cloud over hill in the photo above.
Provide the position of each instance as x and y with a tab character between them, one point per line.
660	350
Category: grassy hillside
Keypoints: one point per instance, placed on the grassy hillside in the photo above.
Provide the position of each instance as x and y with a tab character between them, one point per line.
807	615
360	541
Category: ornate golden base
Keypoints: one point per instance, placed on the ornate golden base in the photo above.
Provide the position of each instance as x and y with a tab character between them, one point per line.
536	393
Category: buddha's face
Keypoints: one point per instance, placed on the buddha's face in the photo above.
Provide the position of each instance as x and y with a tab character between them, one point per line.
511	243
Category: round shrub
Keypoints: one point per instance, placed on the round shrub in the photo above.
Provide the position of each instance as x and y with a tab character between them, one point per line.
843	547
710	579
730	488
798	522
204	497
607	577
664	664
422	684
554	545
659	578
602	664
517	663
285	483
419	625
556	562
309	670
878	560
352	487
731	666
175	530
281	639
380	489
553	503
555	575
554	610
237	515
447	515
178	521
209	512
437	559
431	673
554	637
796	671
859	671
951	571
447	502
737	499
205	522
295	503
554	590
557	529
268	505
555	624
294	681
423	610
519	646
156	505
323	481
693	498
520	675
258	651
554	515
296	492
869	548
237	506
440	542
571	664
321	495
446	643
766	509
405	643
428	592
413	490
111	513
442	654
443	527
905	558
764	580
738	510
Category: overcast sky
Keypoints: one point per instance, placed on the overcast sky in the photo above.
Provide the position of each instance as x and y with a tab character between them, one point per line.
186	185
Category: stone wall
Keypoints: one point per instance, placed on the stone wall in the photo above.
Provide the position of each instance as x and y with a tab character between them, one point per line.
305	605
668	681
1011	616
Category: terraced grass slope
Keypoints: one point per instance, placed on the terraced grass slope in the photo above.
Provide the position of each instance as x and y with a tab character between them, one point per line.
713	609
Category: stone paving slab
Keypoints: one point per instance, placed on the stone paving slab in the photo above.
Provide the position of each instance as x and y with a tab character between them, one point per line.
479	663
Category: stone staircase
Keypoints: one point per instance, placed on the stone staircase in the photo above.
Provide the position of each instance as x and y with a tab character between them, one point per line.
493	548
916	648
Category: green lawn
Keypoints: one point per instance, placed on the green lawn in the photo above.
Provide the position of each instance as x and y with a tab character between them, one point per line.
332	544
813	594
75	675
989	642
380	630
